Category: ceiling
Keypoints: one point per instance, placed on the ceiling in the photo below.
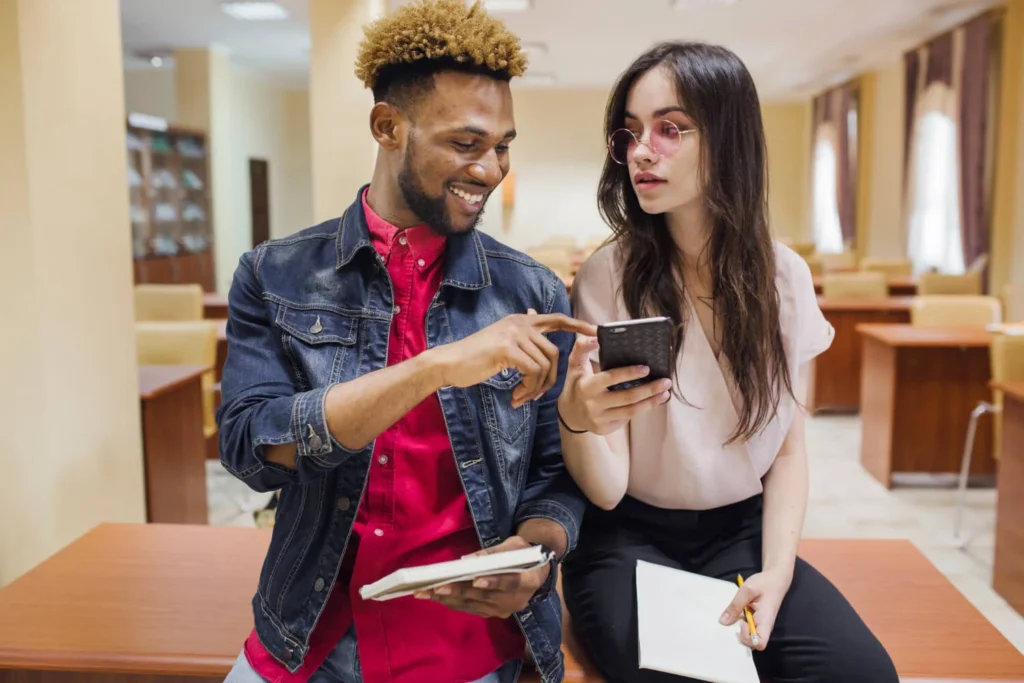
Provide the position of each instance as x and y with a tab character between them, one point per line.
794	48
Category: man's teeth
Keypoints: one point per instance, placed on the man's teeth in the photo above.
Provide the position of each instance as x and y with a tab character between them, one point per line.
471	198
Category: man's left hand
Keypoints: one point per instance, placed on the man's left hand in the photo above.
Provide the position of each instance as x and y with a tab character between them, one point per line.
492	596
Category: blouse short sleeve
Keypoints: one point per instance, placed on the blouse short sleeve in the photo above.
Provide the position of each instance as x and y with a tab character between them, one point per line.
803	324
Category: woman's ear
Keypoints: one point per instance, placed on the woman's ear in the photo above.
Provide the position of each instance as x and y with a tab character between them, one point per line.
384	124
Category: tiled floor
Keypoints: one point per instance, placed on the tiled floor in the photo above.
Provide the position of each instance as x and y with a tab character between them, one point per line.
845	502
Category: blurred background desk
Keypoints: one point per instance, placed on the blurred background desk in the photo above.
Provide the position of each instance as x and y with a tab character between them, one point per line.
918	388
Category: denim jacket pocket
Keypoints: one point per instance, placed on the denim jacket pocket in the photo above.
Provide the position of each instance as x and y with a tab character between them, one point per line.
508	422
317	342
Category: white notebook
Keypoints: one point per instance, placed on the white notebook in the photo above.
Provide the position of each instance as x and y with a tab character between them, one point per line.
679	630
412	579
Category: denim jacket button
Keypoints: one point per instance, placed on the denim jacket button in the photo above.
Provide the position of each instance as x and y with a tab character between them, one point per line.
344	504
319	585
315	442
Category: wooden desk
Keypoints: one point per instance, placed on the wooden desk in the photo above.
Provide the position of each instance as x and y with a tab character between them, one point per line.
1008	570
173	443
835	374
918	388
898	286
156	603
215	306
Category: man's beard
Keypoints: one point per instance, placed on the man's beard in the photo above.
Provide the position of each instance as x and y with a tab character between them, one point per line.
431	210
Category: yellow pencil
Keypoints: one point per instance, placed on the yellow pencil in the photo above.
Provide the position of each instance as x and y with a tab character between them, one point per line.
750	617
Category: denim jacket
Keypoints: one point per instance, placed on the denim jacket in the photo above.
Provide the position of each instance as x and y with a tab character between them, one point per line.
314	309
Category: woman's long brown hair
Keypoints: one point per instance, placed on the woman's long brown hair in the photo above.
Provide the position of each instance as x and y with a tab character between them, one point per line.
718	94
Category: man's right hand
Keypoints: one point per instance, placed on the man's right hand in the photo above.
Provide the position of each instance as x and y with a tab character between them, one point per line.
516	341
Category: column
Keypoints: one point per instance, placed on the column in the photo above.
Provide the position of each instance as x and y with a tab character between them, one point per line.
203	82
1006	251
343	151
70	444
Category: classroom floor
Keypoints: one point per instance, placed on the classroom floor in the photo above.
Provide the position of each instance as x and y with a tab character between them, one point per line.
845	502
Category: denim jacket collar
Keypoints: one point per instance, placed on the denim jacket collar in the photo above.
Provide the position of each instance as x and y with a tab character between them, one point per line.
465	261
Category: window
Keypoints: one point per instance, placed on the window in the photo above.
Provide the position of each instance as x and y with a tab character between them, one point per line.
934	239
828	233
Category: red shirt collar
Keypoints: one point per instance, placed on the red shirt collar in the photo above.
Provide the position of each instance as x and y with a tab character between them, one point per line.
423	242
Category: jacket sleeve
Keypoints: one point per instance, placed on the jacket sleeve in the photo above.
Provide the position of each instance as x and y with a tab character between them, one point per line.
550	492
261	405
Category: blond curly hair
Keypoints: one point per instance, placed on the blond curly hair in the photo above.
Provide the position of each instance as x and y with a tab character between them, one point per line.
439	30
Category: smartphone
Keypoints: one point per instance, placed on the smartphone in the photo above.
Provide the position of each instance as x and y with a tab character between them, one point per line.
647	341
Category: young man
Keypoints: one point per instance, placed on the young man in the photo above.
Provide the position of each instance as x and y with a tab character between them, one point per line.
394	373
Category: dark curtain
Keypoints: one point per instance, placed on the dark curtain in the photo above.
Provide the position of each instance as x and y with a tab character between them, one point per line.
834	107
940	64
974	117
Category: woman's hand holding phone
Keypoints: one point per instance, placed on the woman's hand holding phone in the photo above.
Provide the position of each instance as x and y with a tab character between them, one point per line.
587	403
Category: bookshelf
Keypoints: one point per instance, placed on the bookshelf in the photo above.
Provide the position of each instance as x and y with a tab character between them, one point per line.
169	194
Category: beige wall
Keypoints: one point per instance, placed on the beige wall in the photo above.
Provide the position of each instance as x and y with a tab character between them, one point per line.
557	161
880	226
261	120
70	446
787	130
557	158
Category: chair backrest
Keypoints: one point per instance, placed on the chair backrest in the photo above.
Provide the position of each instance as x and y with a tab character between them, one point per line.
814	263
803	248
168	302
1006	355
845	260
955	311
855	286
937	283
1013	302
182	343
892	267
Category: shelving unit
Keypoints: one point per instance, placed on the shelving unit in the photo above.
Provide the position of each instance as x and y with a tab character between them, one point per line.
169	192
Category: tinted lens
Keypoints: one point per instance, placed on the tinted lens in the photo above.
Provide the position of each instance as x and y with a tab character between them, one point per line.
665	138
620	145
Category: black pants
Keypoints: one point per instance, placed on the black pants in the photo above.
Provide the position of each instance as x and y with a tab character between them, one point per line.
817	638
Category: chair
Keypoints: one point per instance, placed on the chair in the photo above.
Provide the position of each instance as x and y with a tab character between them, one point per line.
183	343
815	264
168	302
855	286
891	267
803	248
1006	355
938	283
1013	302
844	260
955	311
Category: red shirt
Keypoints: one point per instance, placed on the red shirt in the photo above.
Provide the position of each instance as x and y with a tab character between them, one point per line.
414	512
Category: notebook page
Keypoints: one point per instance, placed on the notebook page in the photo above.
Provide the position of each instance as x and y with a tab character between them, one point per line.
679	631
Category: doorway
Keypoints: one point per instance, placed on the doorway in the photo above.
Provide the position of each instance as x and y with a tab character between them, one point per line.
259	200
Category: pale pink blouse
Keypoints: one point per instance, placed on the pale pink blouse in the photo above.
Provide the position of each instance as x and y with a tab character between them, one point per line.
677	452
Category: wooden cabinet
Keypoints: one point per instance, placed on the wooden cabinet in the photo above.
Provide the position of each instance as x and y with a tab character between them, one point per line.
169	192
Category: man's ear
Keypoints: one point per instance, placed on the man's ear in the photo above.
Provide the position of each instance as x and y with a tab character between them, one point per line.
385	121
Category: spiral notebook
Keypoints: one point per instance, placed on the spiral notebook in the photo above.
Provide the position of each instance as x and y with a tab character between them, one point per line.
412	579
679	630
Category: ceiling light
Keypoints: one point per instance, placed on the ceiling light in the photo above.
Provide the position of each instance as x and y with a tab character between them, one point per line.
696	4
254	11
507	5
156	61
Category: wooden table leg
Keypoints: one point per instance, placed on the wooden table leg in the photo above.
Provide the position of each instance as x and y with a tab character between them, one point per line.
877	392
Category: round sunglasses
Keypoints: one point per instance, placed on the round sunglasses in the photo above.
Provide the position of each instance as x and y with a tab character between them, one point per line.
665	139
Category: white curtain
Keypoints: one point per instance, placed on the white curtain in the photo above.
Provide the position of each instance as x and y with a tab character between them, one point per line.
828	232
934	238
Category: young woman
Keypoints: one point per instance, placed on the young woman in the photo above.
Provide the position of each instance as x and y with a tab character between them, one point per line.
706	471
